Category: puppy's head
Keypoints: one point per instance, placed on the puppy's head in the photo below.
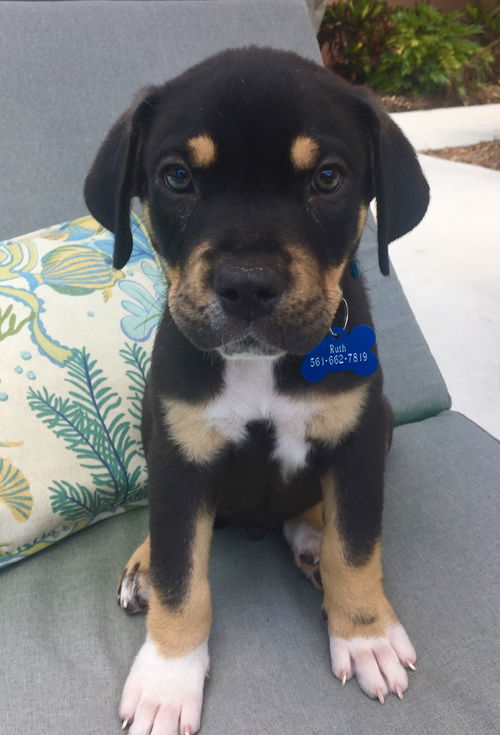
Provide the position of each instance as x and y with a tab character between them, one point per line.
255	170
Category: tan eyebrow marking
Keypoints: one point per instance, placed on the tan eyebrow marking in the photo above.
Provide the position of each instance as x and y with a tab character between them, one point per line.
304	152
202	151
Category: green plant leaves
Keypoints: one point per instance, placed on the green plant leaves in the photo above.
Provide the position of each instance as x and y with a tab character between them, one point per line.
420	49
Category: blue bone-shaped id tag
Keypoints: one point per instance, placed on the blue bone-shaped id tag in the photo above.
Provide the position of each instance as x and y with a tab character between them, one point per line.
342	352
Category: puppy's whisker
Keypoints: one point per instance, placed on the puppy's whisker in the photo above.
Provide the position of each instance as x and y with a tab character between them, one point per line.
332	291
155	311
314	216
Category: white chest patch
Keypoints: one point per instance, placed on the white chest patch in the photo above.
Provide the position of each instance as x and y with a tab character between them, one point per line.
250	394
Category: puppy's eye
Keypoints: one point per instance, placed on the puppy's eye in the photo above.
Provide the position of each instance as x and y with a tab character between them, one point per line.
177	178
327	180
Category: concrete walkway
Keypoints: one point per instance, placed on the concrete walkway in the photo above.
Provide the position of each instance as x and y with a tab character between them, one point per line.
450	126
449	265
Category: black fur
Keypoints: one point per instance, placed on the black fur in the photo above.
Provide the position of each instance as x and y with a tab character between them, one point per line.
253	103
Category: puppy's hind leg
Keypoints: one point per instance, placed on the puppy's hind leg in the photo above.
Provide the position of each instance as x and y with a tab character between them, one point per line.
133	588
303	534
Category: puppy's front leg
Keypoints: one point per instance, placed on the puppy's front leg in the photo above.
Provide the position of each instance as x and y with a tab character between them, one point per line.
164	691
366	638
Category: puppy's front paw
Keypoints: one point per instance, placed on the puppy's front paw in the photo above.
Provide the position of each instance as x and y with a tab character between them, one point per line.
378	663
163	696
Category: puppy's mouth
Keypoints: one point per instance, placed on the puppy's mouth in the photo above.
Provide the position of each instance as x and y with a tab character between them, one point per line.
296	333
248	345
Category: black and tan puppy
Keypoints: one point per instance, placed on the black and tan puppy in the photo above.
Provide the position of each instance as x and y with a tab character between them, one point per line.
255	170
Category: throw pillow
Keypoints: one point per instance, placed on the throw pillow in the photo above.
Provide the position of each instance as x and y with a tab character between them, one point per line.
75	343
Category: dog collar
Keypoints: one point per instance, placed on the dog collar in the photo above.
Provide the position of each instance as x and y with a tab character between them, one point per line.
354	269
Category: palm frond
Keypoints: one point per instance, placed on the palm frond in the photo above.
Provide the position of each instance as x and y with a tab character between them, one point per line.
92	426
81	432
139	363
74	503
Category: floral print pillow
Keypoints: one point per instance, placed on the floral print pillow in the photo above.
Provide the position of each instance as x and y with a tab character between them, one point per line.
75	344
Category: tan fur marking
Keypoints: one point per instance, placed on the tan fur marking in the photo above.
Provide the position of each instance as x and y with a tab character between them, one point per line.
179	632
146	216
191	282
172	273
338	415
305	272
313	516
202	151
141	556
348	588
313	282
306	298
362	215
198	440
315	293
304	153
331	279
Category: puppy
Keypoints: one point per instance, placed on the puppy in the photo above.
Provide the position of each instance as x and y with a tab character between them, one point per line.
255	170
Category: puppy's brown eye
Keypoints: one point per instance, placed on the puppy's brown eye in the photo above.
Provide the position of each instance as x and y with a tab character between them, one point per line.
327	180
177	178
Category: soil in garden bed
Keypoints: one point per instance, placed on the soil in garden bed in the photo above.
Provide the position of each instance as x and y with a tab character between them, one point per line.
489	94
481	154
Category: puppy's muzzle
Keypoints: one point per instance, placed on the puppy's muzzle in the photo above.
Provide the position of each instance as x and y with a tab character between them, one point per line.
248	292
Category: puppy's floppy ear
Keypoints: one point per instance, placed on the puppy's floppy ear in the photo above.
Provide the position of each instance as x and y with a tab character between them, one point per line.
400	187
116	174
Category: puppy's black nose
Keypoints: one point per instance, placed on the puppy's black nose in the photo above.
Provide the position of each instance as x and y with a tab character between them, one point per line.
248	292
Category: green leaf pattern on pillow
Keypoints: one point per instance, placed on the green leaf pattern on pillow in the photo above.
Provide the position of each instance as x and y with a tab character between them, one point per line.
75	343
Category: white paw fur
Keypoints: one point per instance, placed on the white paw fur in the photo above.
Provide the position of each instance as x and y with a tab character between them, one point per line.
303	539
379	664
164	696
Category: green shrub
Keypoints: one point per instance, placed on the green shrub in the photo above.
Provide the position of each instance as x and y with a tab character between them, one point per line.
430	50
486	14
353	36
396	50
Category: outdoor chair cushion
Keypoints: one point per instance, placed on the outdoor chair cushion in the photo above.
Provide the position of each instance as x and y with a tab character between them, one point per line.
67	647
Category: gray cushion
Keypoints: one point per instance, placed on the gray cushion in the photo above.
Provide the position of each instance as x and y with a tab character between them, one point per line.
66	646
68	69
412	381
